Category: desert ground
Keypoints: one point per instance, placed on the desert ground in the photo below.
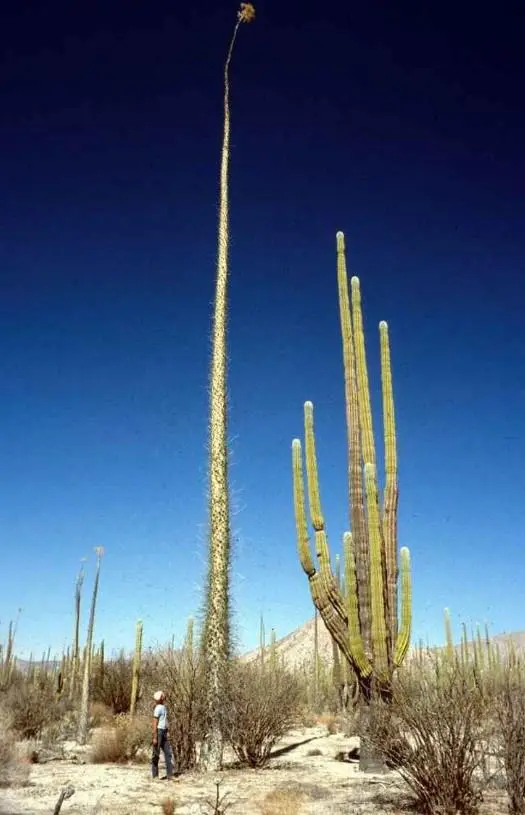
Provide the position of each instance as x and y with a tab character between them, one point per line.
303	778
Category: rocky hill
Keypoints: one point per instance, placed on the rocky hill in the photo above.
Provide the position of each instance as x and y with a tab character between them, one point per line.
297	647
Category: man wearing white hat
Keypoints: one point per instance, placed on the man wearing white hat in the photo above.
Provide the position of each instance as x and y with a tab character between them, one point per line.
160	737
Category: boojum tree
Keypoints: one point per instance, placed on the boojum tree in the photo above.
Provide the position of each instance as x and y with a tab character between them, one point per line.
363	620
75	667
83	716
216	633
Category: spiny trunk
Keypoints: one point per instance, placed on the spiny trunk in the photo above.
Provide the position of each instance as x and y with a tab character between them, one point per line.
216	629
82	731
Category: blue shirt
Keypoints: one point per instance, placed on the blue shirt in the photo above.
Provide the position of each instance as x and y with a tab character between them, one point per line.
161	714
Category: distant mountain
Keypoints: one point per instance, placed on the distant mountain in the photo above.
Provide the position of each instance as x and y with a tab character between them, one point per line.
297	647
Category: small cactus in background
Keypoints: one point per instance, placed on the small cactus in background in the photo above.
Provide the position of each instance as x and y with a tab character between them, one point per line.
82	730
101	665
273	656
7	657
363	620
262	642
216	634
75	656
137	656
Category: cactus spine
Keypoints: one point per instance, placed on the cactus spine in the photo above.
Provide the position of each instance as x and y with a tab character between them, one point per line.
216	628
82	730
137	656
363	620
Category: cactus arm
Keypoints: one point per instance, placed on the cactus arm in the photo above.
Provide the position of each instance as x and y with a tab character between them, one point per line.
321	541
355	640
303	543
323	598
311	469
337	627
380	640
391	494
363	390
405	628
355	479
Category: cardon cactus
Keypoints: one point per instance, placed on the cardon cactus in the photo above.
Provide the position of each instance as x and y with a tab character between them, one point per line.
362	618
137	657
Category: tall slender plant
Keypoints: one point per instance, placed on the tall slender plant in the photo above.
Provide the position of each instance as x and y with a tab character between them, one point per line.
75	657
84	703
137	656
216	635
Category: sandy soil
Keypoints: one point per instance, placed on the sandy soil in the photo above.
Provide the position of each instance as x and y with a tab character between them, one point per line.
330	787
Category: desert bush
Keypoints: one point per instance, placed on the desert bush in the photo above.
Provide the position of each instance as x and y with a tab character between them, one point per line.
32	705
121	742
509	706
432	732
108	747
306	717
100	715
112	688
13	770
263	705
330	721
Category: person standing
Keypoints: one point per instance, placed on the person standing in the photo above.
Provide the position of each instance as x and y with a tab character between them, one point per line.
160	737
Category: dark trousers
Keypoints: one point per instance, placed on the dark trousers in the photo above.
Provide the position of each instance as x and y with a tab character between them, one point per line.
164	745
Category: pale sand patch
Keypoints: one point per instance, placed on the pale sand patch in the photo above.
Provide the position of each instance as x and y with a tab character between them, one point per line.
331	787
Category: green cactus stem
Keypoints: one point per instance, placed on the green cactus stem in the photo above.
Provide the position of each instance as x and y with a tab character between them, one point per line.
362	612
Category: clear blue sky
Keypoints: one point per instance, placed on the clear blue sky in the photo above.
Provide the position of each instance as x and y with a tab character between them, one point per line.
400	125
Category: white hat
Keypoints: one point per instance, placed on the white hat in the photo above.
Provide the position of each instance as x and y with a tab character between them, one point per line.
158	696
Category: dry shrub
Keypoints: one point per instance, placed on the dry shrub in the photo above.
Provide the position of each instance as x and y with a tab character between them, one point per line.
33	706
13	769
108	747
432	732
100	715
122	742
179	673
510	715
263	705
330	721
282	802
112	688
168	806
307	718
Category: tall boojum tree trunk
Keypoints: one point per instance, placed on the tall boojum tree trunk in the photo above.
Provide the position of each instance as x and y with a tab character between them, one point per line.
75	656
83	718
216	635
